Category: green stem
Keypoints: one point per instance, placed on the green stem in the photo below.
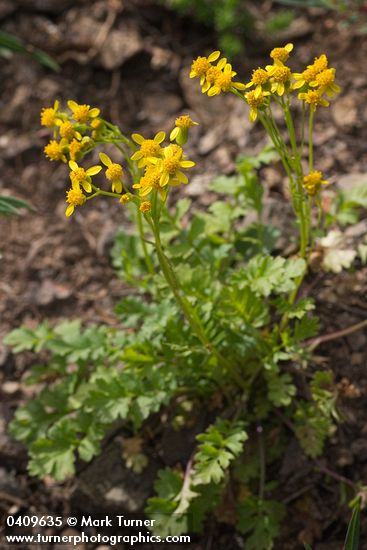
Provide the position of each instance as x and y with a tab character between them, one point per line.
261	461
148	260
310	141
188	311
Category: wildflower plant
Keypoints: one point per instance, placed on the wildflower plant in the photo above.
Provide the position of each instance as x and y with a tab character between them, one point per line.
222	332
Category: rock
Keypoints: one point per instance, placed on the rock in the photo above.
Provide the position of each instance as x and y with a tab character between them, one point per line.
10	387
344	112
49	291
158	108
120	46
118	489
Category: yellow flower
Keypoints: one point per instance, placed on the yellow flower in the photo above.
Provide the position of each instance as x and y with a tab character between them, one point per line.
180	131
150	181
80	176
74	197
67	130
149	148
201	65
223	82
145	207
312	182
324	82
55	151
82	113
313	98
281	54
125	198
212	74
114	172
75	148
280	78
49	115
309	74
259	78
170	166
256	101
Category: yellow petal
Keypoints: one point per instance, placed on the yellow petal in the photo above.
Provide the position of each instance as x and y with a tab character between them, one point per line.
93	113
69	210
164	179
187	163
160	137
117	186
214	56
72	104
288	47
138	138
174	133
86	186
181	177
73	165
93	170
105	159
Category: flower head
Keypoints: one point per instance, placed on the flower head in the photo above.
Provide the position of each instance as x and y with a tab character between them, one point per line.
221	79
125	198
150	181
81	177
49	115
324	82
75	148
145	207
82	113
170	166
114	172
74	197
280	55
256	101
67	130
312	182
149	148
313	98
280	78
201	65
309	74
180	131
54	151
259	79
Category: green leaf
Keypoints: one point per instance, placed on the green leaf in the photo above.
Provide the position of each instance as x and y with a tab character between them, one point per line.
53	458
265	274
219	446
353	533
12	205
260	520
10	42
28	339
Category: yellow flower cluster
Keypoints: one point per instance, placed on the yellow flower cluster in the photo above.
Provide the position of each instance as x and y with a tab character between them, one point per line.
152	166
162	165
215	79
75	130
272	82
312	182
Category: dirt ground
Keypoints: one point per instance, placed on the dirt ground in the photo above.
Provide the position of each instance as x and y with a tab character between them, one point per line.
131	59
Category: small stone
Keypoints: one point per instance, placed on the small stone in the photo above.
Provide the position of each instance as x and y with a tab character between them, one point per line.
344	112
119	47
10	387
